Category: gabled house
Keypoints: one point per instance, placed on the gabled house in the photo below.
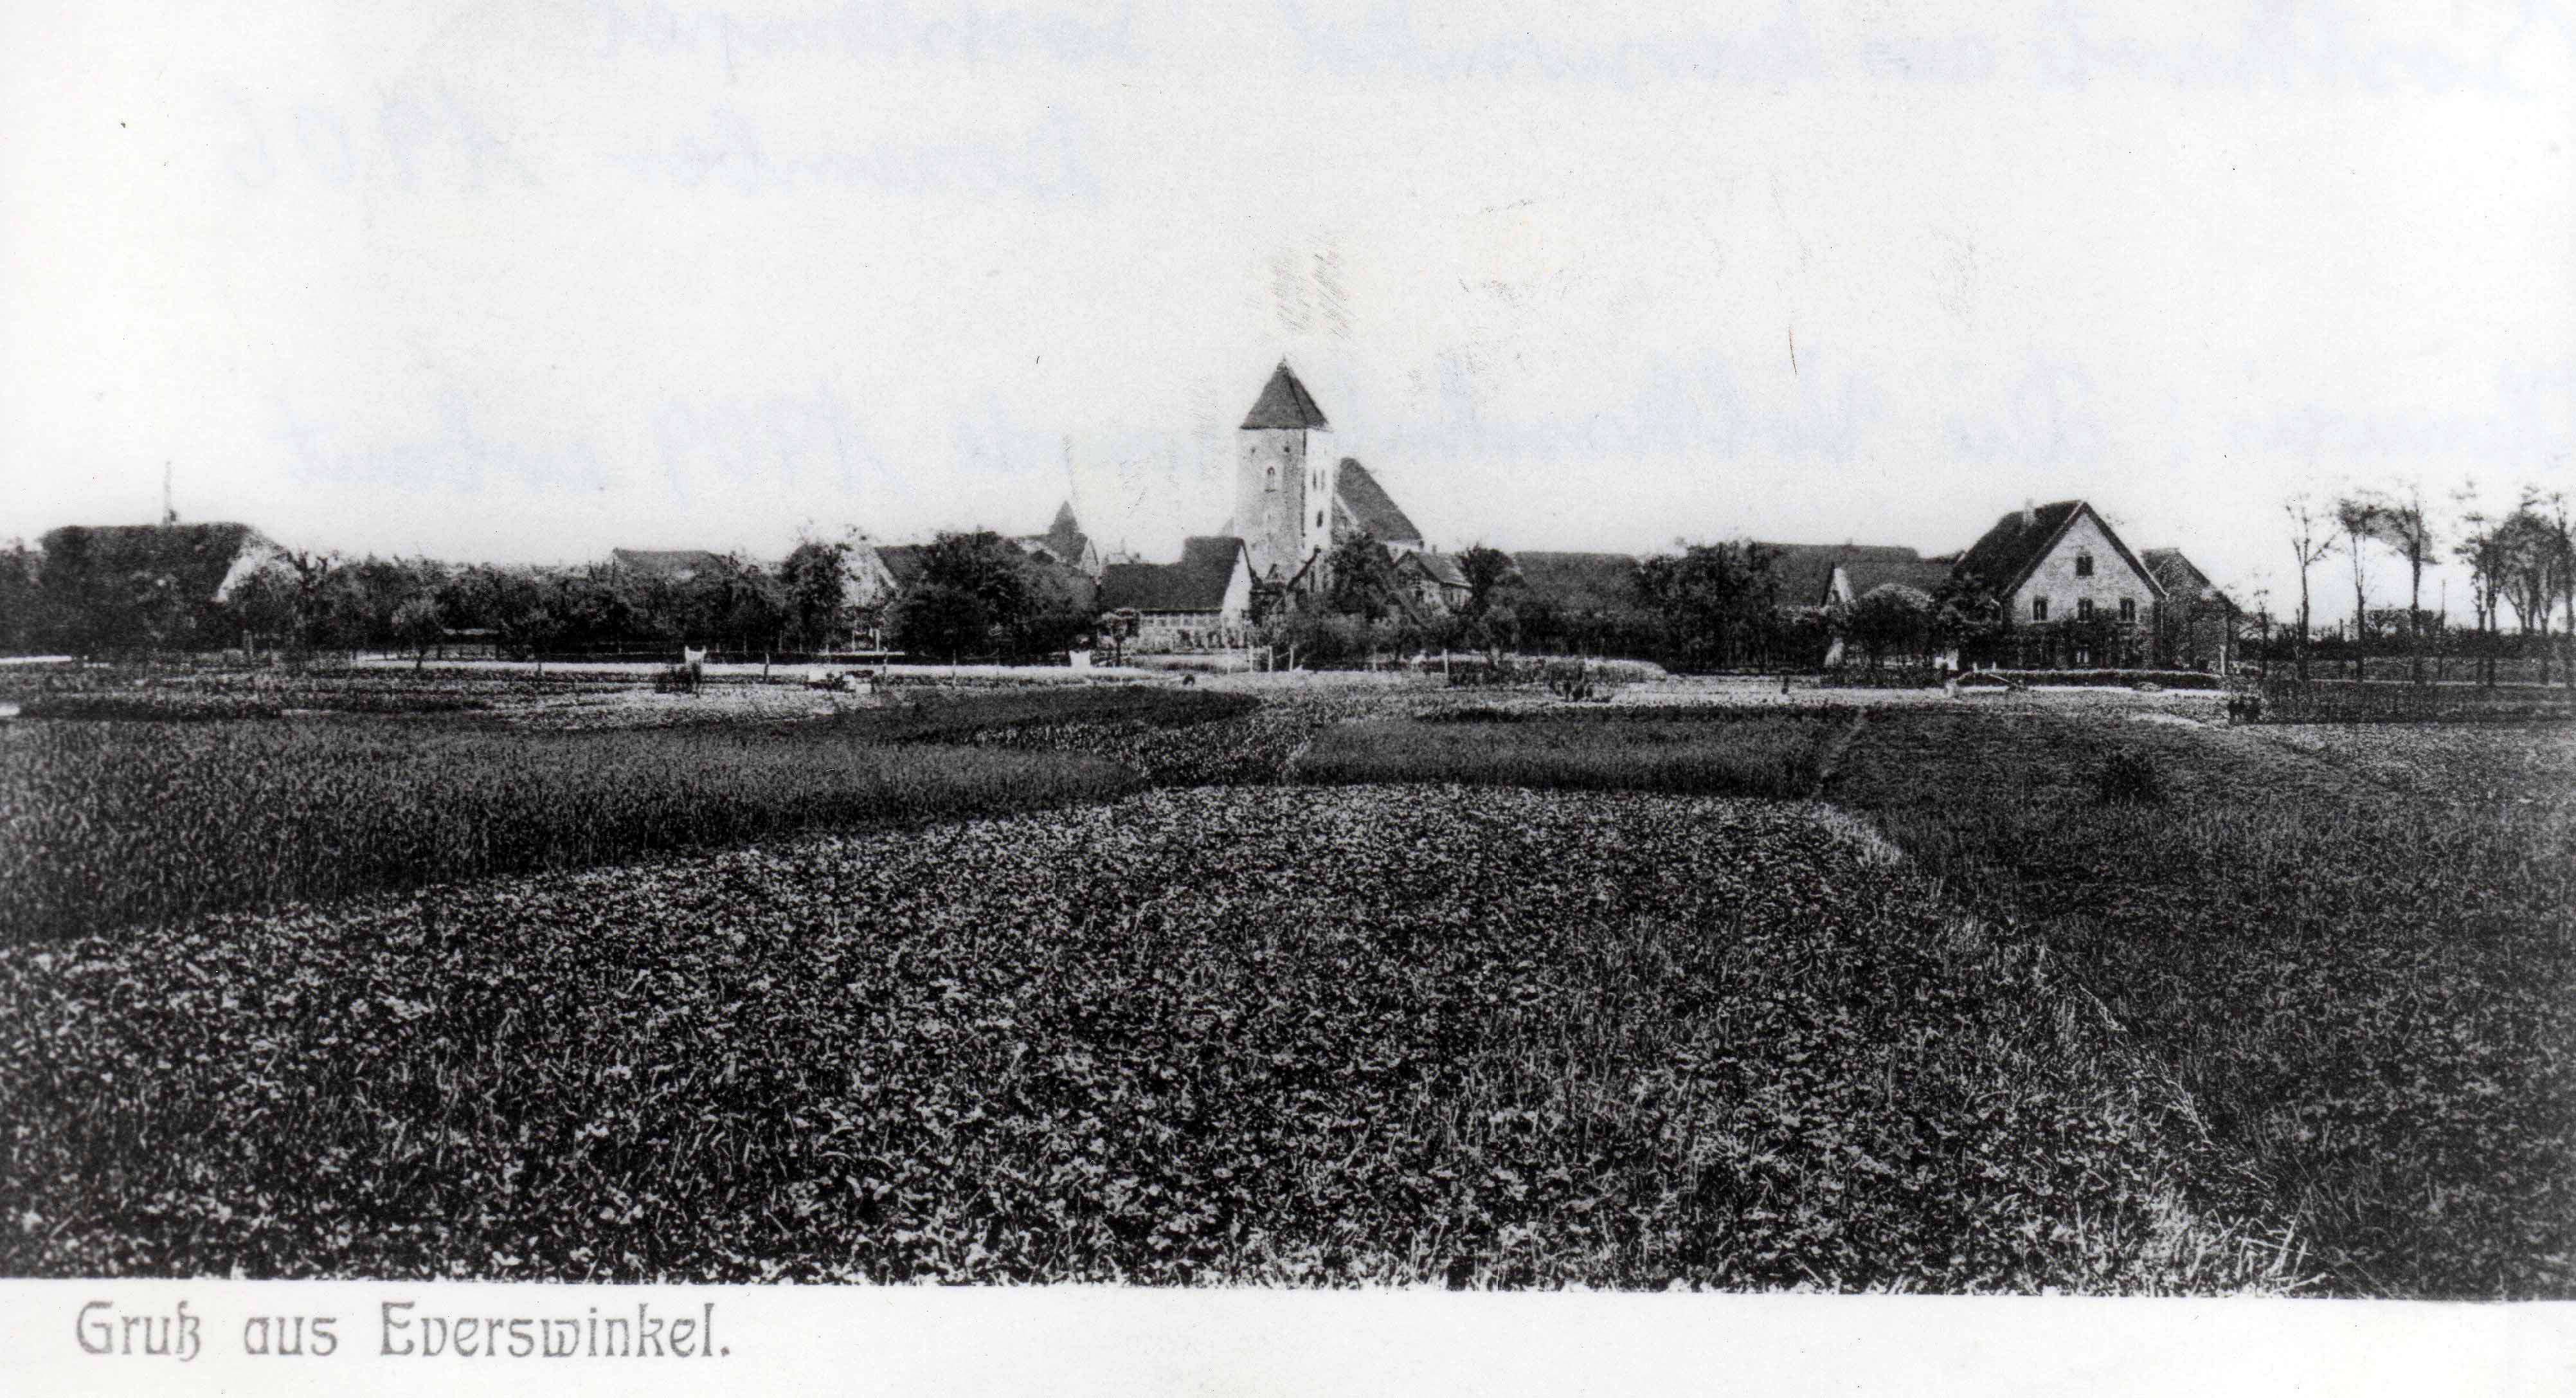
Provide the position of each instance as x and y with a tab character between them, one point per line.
2196	622
1204	600
2070	592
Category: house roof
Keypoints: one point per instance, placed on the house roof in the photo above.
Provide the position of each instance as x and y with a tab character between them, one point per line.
2181	578
1364	507
1439	567
1284	402
1806	571
1581	582
2006	554
665	563
1197	583
902	562
197	559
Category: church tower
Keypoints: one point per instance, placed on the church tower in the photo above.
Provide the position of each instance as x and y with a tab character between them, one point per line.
1283	490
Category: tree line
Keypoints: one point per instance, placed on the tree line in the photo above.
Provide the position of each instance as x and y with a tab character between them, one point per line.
2522	559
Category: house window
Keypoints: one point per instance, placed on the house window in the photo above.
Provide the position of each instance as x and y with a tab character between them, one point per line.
2083	609
2128	609
2083	564
2039	609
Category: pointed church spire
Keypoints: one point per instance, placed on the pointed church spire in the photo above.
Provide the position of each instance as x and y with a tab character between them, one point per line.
1284	402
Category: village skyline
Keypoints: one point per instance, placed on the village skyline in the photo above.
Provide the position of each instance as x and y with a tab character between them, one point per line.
532	291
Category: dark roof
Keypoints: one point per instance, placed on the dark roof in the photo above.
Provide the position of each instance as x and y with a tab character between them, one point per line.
1806	571
902	562
1439	567
1284	402
1580	582
665	563
1366	508
2183	580
2006	554
1195	584
194	558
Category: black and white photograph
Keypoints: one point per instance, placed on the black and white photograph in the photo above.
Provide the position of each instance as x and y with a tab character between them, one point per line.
1347	664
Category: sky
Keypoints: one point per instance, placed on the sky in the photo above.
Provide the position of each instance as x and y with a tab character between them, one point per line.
526	282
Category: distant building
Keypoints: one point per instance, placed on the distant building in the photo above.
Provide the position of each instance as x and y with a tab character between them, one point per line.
2195	622
668	565
2071	592
1204	601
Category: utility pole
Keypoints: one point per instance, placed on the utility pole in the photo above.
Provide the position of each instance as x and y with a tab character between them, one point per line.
169	511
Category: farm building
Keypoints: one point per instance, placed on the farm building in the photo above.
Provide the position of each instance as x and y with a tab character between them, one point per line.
1203	601
2196	621
2071	592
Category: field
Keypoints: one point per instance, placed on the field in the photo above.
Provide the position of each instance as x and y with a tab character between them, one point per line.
1303	984
1501	1038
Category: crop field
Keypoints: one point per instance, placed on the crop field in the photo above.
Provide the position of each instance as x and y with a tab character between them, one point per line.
2366	986
1495	1038
1296	983
1723	752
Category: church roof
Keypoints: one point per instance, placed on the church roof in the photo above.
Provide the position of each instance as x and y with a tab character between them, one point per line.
1284	402
1197	583
1366	508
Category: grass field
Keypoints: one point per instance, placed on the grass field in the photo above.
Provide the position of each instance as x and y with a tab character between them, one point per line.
1495	1038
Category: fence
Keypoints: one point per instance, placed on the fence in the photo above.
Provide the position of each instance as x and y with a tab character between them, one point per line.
2288	699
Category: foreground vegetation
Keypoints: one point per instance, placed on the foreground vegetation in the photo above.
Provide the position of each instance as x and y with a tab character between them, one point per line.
1385	1034
2357	963
2144	1005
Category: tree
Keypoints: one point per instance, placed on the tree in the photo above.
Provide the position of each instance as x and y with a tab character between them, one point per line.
1891	619
935	618
2533	562
2400	523
814	578
1359	578
1490	619
2357	515
2309	549
1711	599
416	624
2486	550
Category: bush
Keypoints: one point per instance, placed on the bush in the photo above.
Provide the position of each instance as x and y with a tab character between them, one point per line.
679	679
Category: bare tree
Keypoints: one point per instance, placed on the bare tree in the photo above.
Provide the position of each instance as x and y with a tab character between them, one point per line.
2532	565
2310	550
2484	548
2401	523
2357	515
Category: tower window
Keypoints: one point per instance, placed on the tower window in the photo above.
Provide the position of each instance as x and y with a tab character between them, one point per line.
2039	609
1270	479
1319	519
2084	565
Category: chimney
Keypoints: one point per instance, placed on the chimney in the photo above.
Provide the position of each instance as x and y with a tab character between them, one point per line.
2029	513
